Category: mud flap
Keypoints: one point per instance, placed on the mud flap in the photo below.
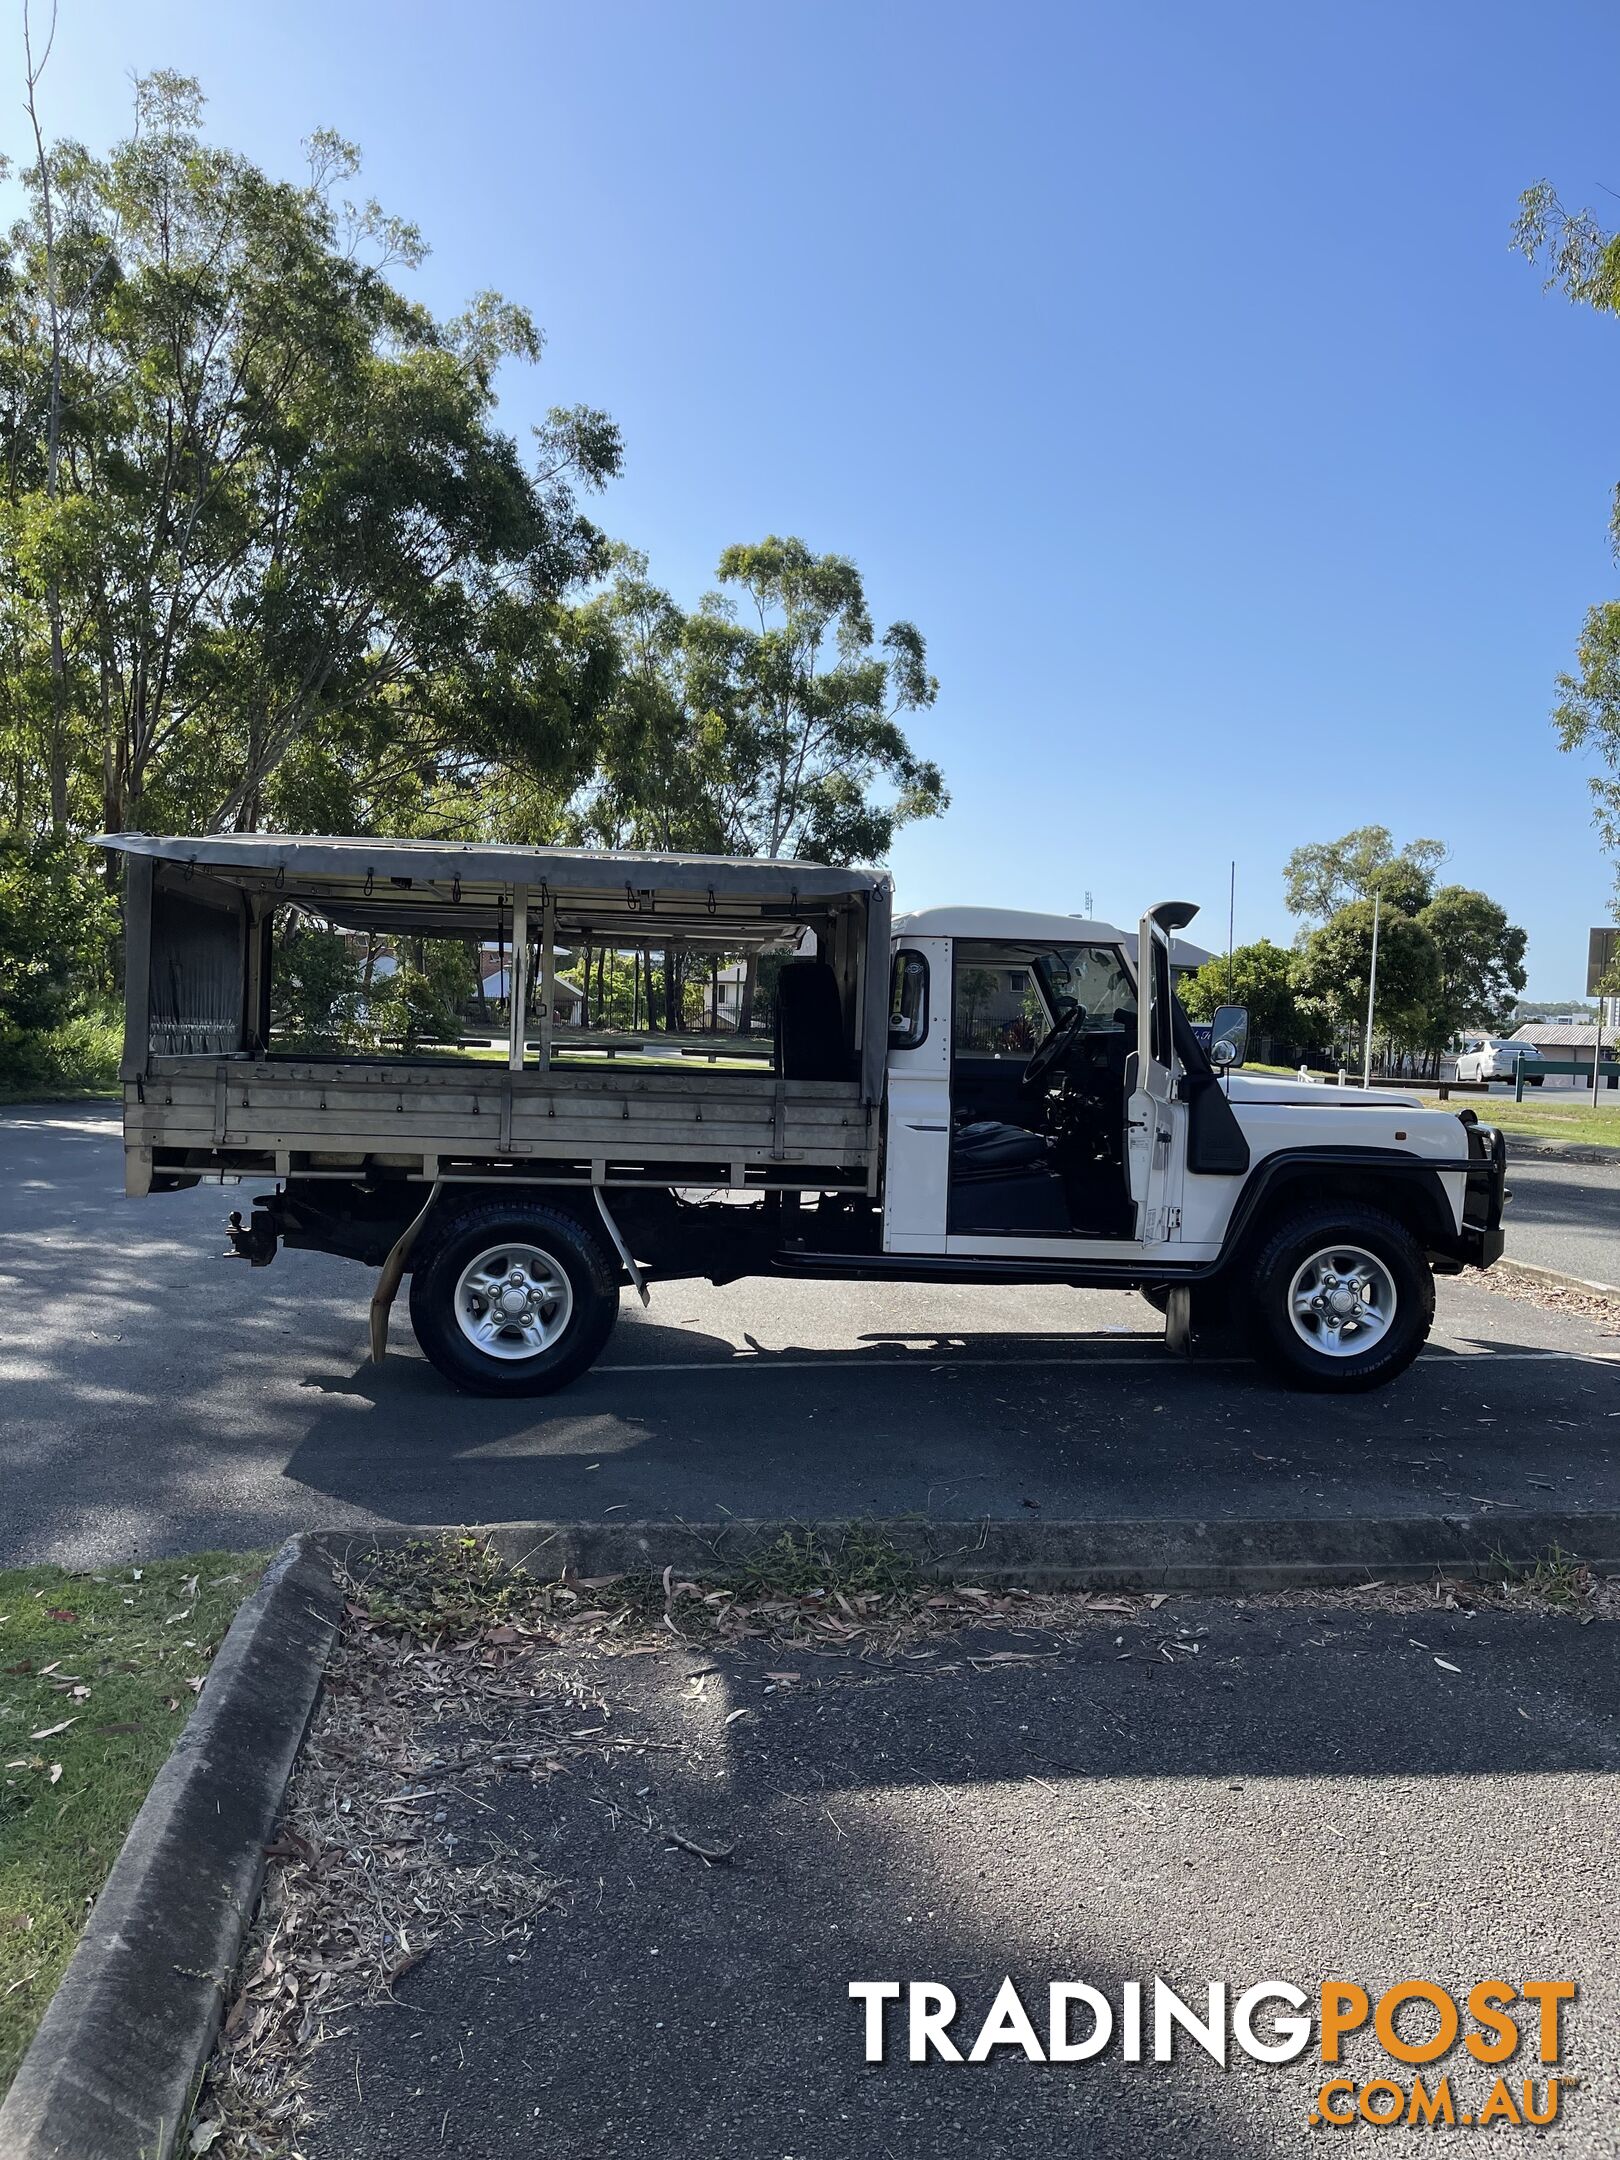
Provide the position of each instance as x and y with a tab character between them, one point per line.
393	1273
621	1248
1178	1322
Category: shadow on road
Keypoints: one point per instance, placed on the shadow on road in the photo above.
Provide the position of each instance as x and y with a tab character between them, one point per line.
1212	1793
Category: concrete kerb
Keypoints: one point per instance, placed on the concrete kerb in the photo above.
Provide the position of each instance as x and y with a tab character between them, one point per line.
1556	1279
113	2068
1188	1555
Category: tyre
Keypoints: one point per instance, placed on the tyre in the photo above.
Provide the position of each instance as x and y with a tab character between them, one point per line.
1536	1079
513	1297
1342	1299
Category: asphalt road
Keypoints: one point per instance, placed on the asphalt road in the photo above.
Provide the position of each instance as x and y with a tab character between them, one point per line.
1311	1794
1565	1215
155	1398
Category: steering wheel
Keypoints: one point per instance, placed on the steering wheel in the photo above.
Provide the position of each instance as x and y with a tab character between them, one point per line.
1051	1048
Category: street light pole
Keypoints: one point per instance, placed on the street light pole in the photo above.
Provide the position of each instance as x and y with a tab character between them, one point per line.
1372	985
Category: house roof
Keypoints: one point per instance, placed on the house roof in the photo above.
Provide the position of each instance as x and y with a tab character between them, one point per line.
1546	1036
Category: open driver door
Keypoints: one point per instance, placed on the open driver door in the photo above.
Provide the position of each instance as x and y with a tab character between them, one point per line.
1155	1114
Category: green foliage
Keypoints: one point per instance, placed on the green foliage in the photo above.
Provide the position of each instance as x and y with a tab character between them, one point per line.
55	932
79	1057
258	499
316	987
422	1000
803	705
268	560
973	987
441	1589
862	1562
1582	261
58	1035
1448	959
1261	978
1325	876
1481	959
777	736
1587	715
1334	967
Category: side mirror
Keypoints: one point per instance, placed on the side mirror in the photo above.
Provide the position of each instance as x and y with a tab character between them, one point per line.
1229	1036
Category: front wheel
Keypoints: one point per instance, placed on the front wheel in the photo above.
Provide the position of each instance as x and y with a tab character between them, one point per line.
1342	1300
514	1298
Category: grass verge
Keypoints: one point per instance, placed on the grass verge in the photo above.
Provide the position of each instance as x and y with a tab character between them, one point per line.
97	1675
1563	1118
1541	1116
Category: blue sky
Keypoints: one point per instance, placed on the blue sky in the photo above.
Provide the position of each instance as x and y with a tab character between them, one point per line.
1167	365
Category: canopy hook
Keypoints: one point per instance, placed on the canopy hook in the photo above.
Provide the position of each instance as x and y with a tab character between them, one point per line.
455	890
191	868
711	899
630	898
369	882
281	876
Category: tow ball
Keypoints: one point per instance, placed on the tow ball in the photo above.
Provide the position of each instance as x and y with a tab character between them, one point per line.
254	1240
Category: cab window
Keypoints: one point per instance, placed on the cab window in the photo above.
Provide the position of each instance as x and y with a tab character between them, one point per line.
1008	996
908	1001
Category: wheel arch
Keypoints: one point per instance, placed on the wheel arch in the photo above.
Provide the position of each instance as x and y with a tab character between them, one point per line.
458	1202
1401	1186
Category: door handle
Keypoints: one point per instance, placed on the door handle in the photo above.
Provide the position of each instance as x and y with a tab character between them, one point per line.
913	1126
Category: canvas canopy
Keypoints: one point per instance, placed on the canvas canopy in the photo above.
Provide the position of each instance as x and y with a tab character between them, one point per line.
434	888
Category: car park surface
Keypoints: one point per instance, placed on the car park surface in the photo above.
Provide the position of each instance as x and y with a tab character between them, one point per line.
158	1398
1203	1790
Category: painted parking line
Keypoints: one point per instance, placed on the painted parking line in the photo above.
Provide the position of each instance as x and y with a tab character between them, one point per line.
935	1361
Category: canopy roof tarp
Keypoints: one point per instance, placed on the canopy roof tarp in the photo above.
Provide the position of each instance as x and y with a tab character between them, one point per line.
295	857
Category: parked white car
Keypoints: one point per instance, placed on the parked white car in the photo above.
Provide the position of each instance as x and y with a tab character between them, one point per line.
1490	1057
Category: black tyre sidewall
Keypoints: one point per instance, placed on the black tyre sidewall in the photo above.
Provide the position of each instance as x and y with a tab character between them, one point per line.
1287	1250
593	1276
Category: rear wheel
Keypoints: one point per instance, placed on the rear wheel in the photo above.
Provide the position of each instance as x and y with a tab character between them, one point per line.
1342	1300
514	1298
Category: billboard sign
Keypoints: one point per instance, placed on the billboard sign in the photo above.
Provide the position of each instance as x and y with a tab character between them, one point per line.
1602	953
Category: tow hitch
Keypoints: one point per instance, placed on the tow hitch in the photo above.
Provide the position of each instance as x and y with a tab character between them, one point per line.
254	1240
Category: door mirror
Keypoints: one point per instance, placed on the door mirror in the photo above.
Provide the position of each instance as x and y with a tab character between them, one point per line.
1229	1036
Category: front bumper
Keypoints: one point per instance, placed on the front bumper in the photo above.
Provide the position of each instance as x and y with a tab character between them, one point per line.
1485	1194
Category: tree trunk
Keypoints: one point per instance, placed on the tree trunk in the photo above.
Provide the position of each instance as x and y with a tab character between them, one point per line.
745	1016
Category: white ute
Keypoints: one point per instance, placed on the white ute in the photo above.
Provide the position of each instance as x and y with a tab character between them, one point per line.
961	1094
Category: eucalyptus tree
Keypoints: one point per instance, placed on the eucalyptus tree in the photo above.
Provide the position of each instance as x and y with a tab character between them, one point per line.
294	558
1582	260
806	704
